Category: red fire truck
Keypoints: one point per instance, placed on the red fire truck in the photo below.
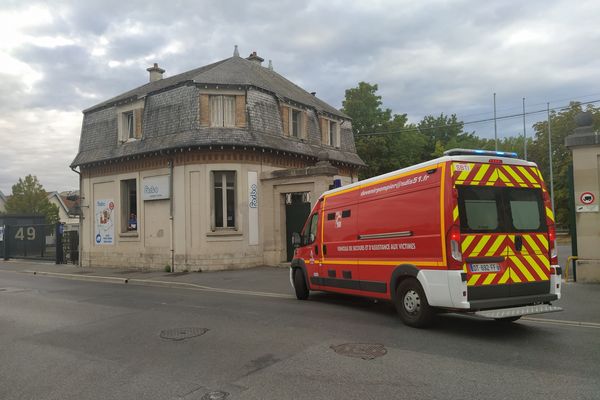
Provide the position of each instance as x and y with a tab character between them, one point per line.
472	231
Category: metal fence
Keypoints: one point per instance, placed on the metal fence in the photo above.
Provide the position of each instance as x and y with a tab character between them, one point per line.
39	242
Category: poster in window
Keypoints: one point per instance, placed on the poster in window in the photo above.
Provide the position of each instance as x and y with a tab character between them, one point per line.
105	221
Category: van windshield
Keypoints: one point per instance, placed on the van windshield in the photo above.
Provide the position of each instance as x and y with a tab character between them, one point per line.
500	209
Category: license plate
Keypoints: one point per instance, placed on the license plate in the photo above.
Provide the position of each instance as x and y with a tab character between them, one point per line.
490	267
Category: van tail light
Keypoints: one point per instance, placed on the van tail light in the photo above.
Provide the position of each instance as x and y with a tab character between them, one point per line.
455	262
552	245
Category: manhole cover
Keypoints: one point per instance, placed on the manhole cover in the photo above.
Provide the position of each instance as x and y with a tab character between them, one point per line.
182	333
366	351
215	396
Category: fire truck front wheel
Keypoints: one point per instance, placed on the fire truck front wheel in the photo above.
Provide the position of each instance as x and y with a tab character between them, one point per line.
412	305
300	286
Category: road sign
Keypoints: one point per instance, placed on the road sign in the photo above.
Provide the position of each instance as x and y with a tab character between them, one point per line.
587	198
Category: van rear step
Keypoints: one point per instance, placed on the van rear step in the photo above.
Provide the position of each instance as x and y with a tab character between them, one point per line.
517	311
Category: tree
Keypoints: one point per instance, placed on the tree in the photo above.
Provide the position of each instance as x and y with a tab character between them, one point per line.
562	124
398	145
29	197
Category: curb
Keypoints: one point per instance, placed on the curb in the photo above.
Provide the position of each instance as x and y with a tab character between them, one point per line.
155	283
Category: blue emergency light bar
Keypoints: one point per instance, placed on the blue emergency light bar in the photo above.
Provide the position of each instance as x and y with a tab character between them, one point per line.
470	152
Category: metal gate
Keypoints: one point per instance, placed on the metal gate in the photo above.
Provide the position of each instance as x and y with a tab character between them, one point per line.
30	242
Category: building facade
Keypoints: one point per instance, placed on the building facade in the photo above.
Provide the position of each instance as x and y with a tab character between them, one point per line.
209	169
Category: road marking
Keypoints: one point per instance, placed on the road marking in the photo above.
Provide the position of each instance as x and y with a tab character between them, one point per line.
579	324
150	282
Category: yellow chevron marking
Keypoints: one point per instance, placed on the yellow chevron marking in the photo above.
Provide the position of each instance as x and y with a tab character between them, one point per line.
509	250
482	242
467	242
499	240
522	268
492	179
515	278
533	244
512	173
524	184
458	183
455	213
543	240
536	268
489	279
473	279
465	268
524	171
549	214
505	179
505	276
481	172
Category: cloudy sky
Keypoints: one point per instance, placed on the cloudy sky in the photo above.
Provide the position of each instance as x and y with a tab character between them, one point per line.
428	57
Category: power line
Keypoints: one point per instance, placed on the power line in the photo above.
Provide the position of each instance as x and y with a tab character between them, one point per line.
510	116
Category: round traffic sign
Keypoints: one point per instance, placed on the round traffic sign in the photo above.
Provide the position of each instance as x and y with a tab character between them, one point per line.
587	198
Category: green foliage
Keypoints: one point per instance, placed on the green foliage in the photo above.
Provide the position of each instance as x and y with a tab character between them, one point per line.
562	124
386	152
29	197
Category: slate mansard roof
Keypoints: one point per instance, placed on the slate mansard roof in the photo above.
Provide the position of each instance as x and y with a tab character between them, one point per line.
171	119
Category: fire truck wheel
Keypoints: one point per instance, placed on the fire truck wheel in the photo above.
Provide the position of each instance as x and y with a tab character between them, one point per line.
507	320
412	305
300	285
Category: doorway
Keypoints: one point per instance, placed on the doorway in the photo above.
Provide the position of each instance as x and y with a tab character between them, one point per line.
296	212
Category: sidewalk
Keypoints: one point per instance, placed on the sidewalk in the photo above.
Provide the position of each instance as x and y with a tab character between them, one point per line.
581	302
261	279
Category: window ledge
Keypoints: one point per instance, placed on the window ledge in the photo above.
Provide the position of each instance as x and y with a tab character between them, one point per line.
224	233
129	234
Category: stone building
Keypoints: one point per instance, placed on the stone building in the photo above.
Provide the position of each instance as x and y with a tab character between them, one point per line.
209	169
584	143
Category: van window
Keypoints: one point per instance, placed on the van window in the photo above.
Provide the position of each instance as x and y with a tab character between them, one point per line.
500	209
524	209
311	233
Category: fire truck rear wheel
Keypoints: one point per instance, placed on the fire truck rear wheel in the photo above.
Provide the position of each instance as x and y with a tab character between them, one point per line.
300	285
412	305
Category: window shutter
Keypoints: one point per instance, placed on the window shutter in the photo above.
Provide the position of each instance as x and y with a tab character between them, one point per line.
138	123
285	120
324	130
240	111
204	110
216	111
228	111
304	128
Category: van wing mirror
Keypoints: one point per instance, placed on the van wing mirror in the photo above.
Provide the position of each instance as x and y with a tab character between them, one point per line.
296	240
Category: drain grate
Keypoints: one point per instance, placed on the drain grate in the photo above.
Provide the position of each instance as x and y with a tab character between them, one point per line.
366	351
215	395
182	333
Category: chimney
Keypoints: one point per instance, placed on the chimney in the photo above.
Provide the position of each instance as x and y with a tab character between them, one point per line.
156	73
271	65
236	53
255	58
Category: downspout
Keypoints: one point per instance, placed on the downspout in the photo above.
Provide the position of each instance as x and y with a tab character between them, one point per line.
80	212
171	215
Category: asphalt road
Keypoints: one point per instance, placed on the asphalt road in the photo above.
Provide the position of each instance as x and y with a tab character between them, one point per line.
68	339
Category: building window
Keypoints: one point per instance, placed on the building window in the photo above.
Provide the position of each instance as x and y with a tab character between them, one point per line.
129	125
222	111
129	214
333	134
296	122
224	193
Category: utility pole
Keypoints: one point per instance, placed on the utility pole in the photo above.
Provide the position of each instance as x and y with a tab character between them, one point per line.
550	158
524	132
495	127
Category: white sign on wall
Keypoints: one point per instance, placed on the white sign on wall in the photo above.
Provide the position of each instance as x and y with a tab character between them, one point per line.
105	213
155	187
252	207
